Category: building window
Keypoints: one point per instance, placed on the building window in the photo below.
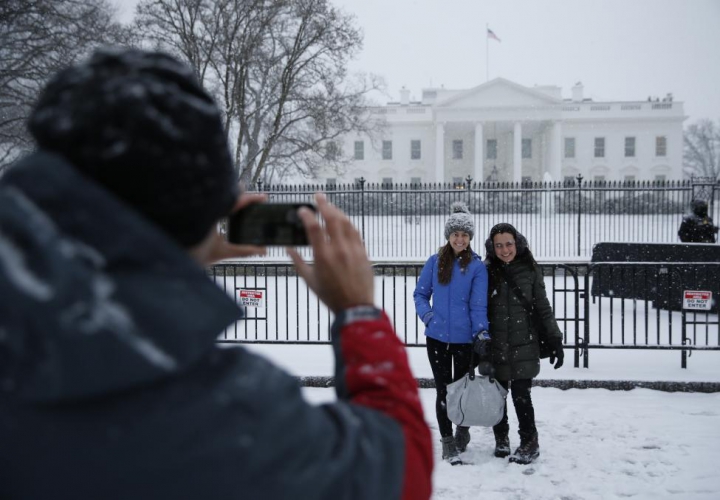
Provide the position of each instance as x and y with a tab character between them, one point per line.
628	179
415	182
458	183
629	147
331	183
527	148
359	150
660	178
387	182
569	147
387	150
661	146
568	181
599	147
491	149
415	153
457	149
599	180
332	151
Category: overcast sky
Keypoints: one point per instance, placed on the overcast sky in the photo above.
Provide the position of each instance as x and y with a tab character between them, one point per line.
618	49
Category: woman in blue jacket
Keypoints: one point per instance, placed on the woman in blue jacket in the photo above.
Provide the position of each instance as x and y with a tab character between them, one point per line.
456	280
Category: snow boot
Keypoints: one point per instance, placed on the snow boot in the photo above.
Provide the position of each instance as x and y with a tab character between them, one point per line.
462	438
449	451
527	452
502	446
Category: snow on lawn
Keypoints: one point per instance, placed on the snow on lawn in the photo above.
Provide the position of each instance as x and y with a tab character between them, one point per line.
604	364
594	444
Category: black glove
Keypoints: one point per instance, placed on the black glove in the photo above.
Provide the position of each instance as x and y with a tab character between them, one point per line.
481	346
557	352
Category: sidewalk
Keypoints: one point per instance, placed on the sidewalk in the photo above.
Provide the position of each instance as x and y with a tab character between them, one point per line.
616	367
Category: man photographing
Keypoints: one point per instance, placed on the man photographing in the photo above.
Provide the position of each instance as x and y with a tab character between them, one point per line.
111	382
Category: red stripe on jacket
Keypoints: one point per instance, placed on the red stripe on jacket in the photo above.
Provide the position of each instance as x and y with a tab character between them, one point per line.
378	376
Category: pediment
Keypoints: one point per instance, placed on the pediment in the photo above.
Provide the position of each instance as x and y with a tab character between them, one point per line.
499	93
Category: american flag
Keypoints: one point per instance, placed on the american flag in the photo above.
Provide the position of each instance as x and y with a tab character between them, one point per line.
492	35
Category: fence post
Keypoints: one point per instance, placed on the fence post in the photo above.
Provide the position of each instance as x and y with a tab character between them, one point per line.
468	181
586	308
579	179
362	207
684	339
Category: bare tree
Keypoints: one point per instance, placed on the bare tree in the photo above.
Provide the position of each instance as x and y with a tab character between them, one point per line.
278	69
37	38
701	153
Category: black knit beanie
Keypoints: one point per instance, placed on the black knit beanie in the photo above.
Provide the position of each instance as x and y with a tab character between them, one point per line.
141	125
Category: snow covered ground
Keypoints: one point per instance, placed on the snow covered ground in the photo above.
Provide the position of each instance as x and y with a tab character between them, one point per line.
392	238
595	443
703	366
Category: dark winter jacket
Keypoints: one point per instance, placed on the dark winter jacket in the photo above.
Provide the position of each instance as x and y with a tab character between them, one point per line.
515	346
698	227
459	309
112	385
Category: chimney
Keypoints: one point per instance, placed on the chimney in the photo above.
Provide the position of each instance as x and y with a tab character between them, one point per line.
577	92
404	96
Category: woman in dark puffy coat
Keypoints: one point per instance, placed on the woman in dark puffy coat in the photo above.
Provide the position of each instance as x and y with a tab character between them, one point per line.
455	279
515	348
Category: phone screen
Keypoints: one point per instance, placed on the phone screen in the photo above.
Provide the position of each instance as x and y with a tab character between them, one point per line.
268	224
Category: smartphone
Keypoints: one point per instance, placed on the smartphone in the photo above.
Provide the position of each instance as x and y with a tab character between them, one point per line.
268	224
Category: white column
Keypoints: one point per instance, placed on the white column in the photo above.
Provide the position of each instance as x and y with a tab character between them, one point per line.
439	152
479	153
555	167
517	152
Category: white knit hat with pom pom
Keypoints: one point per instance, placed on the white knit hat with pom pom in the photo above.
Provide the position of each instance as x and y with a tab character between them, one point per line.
460	220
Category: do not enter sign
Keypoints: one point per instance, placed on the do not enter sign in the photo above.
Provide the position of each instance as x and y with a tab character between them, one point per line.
252	298
697	300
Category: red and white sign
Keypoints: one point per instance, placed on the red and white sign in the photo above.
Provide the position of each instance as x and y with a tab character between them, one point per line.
252	298
697	300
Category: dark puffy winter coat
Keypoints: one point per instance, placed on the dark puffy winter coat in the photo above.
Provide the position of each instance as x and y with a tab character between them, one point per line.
112	385
459	309
698	227
515	346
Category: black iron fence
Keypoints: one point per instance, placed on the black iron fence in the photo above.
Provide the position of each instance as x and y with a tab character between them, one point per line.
405	222
598	306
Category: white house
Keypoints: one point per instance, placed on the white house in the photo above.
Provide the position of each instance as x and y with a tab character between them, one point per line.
504	131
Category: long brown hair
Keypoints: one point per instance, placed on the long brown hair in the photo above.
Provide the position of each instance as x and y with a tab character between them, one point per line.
446	261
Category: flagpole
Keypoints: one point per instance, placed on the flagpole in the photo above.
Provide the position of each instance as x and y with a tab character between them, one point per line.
487	53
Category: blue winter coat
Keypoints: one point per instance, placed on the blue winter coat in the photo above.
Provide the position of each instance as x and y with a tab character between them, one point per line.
459	309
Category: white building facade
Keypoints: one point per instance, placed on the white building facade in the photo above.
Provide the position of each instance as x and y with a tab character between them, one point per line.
503	131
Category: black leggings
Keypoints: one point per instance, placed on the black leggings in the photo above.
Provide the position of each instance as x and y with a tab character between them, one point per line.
520	391
446	359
